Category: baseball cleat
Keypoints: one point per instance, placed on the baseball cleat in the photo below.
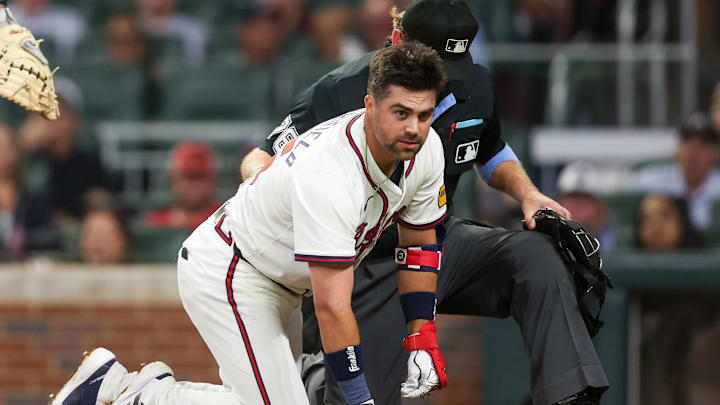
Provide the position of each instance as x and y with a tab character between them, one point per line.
99	378
149	373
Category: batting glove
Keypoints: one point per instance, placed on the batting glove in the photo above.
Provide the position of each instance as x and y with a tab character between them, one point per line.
422	376
426	367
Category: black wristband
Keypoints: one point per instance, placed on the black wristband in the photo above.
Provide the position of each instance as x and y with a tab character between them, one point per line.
346	367
418	305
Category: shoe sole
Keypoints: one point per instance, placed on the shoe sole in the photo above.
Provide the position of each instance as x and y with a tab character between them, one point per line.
90	364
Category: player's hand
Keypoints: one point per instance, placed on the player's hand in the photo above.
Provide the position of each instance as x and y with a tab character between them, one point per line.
422	376
535	201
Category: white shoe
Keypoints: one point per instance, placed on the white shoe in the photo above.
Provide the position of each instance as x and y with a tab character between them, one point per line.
150	373
98	381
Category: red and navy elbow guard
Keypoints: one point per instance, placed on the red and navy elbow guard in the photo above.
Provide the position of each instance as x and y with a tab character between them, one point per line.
419	258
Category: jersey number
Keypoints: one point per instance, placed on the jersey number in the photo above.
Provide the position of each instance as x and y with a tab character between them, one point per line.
289	148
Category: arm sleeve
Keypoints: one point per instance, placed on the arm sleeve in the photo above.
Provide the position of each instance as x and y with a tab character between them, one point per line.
325	216
428	206
505	154
315	105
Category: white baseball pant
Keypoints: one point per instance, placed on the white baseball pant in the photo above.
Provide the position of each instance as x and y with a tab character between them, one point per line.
252	325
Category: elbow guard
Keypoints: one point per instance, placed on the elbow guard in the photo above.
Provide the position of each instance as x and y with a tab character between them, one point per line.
419	258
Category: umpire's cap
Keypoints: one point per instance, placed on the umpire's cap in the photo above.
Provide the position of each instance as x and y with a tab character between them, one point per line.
448	27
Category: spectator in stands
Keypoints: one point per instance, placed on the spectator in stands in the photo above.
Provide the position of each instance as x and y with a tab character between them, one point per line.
259	31
72	171
126	45
25	216
125	42
60	26
375	23
544	21
663	225
579	193
293	13
329	26
104	237
693	175
163	22
193	176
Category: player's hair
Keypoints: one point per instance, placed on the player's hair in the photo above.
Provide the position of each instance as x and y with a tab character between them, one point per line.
411	65
397	17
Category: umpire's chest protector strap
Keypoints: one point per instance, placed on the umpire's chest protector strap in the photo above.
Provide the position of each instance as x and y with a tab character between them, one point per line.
419	258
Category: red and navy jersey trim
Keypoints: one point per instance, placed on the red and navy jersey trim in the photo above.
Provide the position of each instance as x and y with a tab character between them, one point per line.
364	166
324	259
410	167
423	226
355	148
227	238
243	331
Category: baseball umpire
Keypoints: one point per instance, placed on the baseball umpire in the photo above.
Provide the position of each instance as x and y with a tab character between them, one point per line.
486	271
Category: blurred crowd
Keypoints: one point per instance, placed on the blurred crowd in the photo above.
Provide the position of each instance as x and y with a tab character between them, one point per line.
182	60
666	205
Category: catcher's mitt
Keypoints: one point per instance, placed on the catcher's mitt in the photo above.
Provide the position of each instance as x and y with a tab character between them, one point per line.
25	75
581	252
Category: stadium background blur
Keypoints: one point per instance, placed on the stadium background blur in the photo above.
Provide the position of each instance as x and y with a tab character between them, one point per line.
162	98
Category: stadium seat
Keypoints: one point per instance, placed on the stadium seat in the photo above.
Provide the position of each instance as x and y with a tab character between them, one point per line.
110	92
160	244
622	207
712	235
216	93
168	49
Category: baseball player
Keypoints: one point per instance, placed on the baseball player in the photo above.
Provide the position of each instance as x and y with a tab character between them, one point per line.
488	272
299	226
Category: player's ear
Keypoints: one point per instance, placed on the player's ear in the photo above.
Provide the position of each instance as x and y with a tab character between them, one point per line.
369	102
397	37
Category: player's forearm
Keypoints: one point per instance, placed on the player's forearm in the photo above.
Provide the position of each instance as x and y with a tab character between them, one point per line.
416	281
510	177
338	327
332	292
253	161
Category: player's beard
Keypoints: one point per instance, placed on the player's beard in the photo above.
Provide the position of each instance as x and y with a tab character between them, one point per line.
395	147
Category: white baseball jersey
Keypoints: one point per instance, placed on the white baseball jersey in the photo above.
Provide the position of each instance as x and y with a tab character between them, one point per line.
323	198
